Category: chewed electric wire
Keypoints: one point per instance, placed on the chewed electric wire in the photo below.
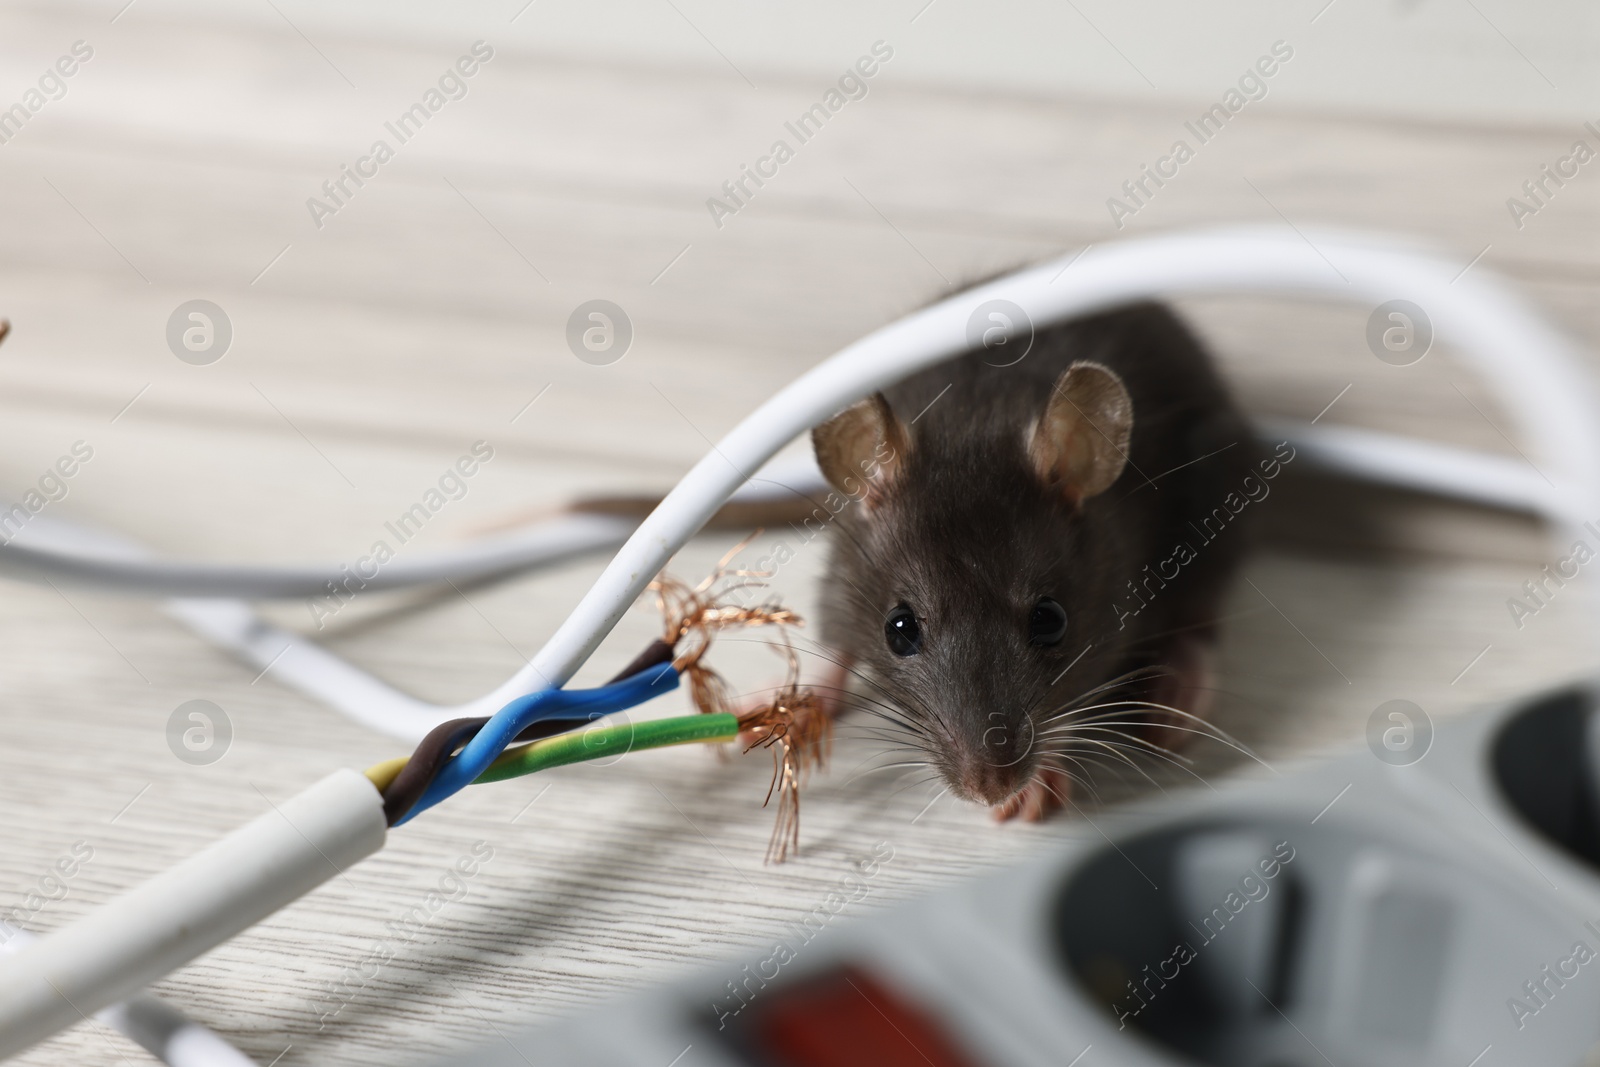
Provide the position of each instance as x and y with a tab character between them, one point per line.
505	725
555	727
789	725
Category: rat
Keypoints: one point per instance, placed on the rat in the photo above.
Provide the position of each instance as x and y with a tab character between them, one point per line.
1029	571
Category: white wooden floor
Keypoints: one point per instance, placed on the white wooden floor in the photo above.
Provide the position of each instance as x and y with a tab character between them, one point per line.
427	313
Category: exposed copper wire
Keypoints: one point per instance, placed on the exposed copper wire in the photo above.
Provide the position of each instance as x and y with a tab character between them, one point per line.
695	614
798	730
794	725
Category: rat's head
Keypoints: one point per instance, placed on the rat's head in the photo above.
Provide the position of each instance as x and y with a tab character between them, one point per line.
960	569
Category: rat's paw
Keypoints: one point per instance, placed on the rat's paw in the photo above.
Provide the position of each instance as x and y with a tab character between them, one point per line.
1049	791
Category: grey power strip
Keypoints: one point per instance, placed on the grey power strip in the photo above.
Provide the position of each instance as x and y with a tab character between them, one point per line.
1352	913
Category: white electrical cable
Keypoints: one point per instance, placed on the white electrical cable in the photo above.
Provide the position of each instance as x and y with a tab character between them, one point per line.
1535	369
76	554
153	1024
298	662
126	569
1238	259
301	664
178	915
1407	463
548	542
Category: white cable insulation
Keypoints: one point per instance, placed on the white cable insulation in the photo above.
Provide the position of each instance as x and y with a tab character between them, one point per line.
127	568
301	664
168	1036
1223	260
1533	369
548	542
306	666
1407	463
178	915
1536	373
152	1023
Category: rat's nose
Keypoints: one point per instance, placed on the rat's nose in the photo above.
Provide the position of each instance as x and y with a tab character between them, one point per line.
985	781
991	760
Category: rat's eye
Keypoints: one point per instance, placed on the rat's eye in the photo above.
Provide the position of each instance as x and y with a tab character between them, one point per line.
1048	623
905	636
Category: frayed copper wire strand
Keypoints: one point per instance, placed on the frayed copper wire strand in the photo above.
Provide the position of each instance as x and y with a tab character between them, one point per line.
794	725
799	731
694	615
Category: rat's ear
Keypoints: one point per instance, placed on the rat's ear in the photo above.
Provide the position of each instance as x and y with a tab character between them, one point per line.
1080	445
860	450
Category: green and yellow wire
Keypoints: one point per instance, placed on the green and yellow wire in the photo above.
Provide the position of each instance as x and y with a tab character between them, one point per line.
579	746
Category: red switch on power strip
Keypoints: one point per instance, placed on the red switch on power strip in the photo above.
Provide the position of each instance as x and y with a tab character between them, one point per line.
848	1018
